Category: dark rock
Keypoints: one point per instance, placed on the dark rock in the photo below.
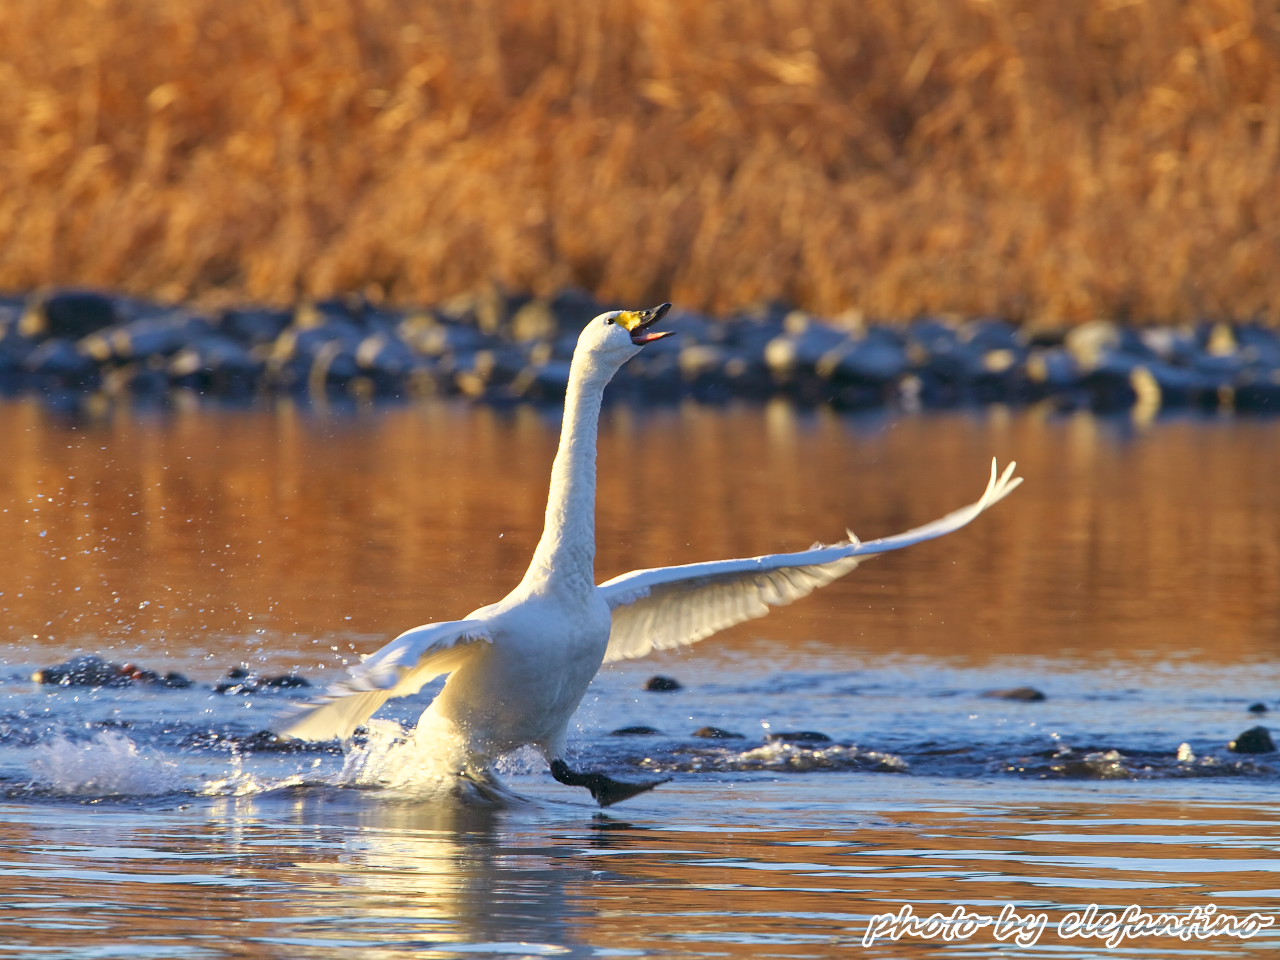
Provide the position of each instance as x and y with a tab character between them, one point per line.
637	731
1110	384
1259	343
433	336
263	741
654	374
14	348
565	313
142	381
389	361
1257	392
876	358
76	313
352	307
700	363
136	674
1025	694
950	369
1172	345
62	362
716	733
240	680
1053	371
663	683
160	336
936	336
485	371
1093	342
1253	740
1098	765
745	334
798	736
487	311
94	671
285	681
253	327
216	364
1174	386
542	382
988	334
311	359
795	356
86	671
11	311
1257	708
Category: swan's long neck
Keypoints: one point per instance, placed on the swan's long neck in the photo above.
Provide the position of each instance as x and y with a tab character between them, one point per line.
565	559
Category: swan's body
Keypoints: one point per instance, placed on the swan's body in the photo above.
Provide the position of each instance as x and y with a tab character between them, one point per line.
520	667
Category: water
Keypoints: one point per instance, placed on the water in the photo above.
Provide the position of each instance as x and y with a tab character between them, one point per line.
1134	580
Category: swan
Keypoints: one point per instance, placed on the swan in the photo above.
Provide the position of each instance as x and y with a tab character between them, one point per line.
519	668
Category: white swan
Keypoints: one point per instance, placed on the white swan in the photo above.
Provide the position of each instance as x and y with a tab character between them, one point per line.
519	668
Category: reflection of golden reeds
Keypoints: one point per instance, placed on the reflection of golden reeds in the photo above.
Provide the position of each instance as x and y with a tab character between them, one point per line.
1032	158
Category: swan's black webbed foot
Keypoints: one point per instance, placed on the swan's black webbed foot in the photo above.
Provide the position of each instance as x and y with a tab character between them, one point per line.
606	790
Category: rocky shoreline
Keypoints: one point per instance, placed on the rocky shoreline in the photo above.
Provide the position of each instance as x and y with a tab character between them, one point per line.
72	344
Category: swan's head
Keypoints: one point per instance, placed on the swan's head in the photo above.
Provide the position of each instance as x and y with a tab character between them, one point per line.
615	337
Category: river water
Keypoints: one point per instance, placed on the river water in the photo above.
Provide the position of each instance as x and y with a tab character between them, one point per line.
1133	580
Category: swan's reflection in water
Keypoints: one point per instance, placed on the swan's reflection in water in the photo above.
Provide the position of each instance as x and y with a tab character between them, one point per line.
421	874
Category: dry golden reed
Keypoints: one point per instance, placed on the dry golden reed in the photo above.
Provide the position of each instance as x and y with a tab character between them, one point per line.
1038	159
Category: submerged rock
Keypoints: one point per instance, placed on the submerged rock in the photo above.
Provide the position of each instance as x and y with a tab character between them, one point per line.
798	736
1025	694
241	681
263	741
661	683
636	731
1258	707
716	733
1097	765
93	671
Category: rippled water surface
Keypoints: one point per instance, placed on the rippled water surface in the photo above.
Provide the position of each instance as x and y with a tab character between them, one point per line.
1134	581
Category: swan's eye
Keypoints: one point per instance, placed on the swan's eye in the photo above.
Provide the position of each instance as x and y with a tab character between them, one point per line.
609	320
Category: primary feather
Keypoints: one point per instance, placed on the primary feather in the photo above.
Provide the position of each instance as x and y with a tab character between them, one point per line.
674	606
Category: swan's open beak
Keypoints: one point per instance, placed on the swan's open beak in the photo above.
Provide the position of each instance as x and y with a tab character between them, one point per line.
638	323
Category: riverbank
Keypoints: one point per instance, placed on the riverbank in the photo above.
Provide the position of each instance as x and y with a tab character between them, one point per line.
496	348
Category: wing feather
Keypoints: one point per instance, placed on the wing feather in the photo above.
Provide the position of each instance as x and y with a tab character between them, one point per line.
404	666
669	607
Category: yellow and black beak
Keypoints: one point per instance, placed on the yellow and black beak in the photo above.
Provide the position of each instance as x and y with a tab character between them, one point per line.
638	322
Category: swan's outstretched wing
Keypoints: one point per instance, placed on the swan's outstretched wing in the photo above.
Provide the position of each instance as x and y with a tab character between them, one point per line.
402	667
673	606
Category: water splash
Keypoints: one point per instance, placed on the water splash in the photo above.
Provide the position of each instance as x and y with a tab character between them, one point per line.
778	756
422	763
109	764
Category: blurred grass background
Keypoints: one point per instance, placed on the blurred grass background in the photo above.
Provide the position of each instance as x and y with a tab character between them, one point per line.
1039	160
